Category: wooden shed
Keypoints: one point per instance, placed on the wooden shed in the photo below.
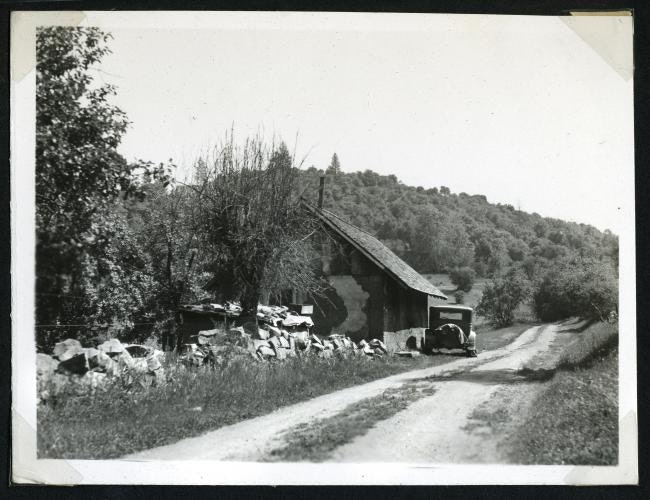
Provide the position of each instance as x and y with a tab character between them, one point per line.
372	290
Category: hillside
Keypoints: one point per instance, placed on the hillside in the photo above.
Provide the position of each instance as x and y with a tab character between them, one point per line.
435	230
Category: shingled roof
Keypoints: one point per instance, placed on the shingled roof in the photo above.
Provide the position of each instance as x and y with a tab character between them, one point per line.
377	252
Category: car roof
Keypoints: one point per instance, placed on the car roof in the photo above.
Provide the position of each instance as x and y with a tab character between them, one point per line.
452	307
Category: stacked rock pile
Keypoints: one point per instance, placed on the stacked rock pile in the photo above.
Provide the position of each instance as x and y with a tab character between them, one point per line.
91	367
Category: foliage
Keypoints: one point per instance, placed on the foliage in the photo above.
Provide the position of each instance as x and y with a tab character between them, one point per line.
459	297
113	422
578	287
252	220
439	242
435	230
502	296
169	229
80	177
463	278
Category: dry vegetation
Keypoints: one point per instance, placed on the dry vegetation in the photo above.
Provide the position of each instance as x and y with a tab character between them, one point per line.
114	421
574	418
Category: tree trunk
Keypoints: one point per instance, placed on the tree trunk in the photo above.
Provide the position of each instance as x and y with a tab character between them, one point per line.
248	317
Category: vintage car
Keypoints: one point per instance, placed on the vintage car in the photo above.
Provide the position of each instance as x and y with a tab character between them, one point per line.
450	327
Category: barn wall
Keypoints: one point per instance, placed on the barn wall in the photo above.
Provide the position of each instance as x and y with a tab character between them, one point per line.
433	301
355	301
418	310
363	301
404	308
353	307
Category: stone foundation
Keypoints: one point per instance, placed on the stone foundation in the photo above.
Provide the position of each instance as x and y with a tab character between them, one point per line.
404	340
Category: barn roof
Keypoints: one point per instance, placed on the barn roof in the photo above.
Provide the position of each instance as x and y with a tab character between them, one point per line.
377	252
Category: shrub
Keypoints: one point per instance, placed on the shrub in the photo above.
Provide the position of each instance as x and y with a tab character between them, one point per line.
502	296
459	296
463	278
588	289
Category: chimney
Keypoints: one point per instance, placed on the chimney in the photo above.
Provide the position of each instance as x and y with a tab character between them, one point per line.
321	189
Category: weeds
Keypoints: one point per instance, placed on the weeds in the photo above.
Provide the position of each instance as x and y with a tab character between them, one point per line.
116	420
119	419
574	419
489	338
589	345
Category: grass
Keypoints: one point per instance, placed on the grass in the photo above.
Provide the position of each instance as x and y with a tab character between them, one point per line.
574	419
574	347
588	344
488	339
114	421
315	441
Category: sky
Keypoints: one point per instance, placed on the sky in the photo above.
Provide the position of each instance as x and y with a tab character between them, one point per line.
525	110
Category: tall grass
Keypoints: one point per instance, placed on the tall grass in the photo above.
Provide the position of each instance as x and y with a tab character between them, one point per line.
129	415
588	344
116	420
574	419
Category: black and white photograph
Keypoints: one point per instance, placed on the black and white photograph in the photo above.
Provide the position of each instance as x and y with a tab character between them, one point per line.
323	248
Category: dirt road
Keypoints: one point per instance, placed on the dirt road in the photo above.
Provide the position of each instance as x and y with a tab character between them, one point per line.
432	429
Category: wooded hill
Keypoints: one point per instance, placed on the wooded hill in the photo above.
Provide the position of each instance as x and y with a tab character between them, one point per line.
435	230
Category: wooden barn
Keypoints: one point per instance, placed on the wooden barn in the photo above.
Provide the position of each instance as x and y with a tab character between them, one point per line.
372	290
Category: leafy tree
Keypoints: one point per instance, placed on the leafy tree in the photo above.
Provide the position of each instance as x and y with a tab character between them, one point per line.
463	278
439	242
79	173
168	226
517	249
116	278
490	251
502	296
252	220
587	288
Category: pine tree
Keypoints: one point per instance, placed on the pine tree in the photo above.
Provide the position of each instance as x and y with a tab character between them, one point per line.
334	166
